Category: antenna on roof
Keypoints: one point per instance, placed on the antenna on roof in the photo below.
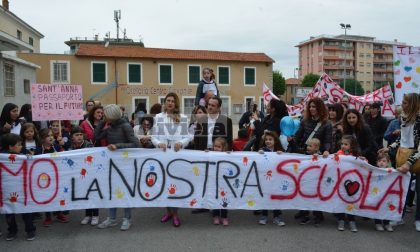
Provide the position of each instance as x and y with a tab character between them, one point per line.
117	17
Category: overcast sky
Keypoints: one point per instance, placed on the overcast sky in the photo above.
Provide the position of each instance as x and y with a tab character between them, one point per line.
270	26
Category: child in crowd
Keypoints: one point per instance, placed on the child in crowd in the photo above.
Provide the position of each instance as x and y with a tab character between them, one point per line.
206	86
348	147
220	144
48	145
12	143
239	143
312	148
270	143
61	138
382	161
77	136
29	135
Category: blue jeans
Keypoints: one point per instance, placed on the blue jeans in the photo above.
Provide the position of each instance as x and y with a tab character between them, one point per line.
113	213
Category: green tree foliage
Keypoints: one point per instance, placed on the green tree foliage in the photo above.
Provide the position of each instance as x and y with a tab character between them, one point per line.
353	87
310	80
279	83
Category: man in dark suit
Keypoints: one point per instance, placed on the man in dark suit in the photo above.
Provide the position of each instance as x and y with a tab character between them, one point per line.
212	126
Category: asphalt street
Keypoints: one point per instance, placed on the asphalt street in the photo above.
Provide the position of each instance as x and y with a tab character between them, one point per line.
197	233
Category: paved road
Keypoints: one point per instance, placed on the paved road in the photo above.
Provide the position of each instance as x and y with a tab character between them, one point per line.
198	234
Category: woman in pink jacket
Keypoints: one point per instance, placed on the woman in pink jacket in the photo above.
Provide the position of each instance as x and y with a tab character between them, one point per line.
89	125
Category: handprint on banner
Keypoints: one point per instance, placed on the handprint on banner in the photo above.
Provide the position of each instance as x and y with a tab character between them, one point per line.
193	202
13	197
119	193
268	175
83	173
125	154
225	202
89	160
196	171
172	189
12	158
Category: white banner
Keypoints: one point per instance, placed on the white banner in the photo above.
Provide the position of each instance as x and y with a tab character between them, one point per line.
332	93
98	178
406	71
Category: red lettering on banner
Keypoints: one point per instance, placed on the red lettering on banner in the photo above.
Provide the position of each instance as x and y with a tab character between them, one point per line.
375	95
386	92
389	191
55	169
337	95
24	170
280	170
387	107
310	168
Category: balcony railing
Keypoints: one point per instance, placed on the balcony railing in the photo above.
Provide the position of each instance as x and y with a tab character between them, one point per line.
340	48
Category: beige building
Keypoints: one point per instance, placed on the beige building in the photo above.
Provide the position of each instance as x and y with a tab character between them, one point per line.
128	75
16	74
354	57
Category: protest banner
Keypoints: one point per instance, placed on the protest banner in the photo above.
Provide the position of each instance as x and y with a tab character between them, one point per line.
56	102
331	93
99	178
406	71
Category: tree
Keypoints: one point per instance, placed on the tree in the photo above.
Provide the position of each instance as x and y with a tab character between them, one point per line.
279	83
310	80
353	87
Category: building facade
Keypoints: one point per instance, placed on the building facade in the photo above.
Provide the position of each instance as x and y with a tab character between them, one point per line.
128	75
16	74
354	57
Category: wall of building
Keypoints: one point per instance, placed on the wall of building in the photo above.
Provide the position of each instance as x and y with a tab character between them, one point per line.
22	73
150	89
10	25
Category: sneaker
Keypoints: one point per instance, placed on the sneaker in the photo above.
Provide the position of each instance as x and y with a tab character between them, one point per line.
353	226
341	225
47	222
165	218
216	220
225	222
125	224
176	222
30	236
389	228
108	223
417	223
263	220
86	220
62	218
397	223
379	227
11	236
95	220
279	221
305	220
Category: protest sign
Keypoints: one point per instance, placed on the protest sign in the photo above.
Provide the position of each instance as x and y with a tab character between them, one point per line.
56	102
98	178
406	71
331	93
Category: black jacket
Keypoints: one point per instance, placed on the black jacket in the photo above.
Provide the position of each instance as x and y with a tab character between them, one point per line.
378	127
222	128
368	147
324	134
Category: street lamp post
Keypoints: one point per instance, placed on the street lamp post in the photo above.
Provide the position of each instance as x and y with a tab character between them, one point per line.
345	27
294	72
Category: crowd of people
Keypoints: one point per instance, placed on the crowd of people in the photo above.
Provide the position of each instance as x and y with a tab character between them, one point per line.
324	130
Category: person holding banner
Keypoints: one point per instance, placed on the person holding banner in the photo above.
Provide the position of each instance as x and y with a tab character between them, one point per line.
170	130
119	135
315	124
407	145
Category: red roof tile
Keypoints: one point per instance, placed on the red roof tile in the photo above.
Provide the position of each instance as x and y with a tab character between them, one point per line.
160	53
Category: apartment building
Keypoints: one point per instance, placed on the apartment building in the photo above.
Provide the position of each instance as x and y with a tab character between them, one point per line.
16	74
352	57
132	74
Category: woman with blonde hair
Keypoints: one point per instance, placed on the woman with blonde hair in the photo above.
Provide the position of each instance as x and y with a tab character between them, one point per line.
407	145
